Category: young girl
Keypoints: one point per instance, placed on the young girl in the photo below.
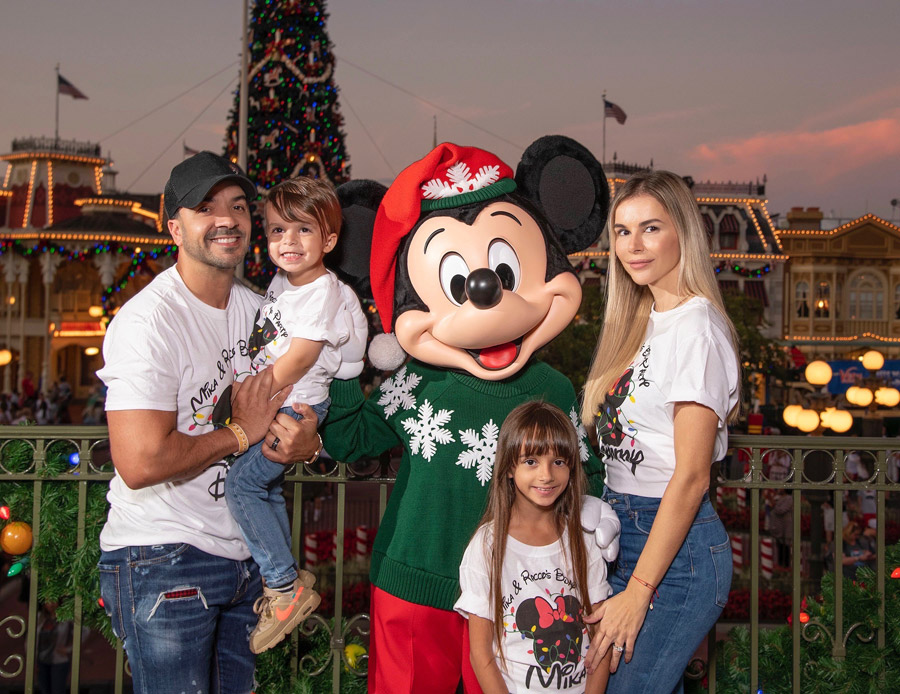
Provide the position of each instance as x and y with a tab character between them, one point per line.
530	569
662	388
304	327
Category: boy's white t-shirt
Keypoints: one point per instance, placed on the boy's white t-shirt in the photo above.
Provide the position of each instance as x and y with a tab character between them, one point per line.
546	639
686	356
167	350
313	311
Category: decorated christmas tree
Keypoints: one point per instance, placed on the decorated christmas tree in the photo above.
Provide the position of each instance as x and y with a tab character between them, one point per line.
294	121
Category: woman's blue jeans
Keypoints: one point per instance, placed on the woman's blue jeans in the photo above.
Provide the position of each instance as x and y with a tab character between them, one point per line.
185	617
692	595
254	497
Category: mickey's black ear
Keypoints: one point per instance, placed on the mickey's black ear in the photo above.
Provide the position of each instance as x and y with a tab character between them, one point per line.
350	258
568	185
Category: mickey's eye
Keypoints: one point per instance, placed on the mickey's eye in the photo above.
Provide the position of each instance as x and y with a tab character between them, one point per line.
454	272
503	260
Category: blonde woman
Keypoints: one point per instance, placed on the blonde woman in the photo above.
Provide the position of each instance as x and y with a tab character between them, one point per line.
663	385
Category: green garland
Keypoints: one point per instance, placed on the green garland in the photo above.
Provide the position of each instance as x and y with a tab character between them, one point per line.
866	669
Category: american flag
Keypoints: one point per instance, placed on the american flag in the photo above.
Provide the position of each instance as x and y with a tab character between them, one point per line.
66	87
611	110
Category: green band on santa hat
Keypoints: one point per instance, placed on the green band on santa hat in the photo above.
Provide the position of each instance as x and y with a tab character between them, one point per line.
495	190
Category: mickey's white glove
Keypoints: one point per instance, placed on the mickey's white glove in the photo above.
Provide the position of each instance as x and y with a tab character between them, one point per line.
353	351
599	518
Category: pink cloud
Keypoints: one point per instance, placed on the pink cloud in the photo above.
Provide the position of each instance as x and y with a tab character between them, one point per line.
821	155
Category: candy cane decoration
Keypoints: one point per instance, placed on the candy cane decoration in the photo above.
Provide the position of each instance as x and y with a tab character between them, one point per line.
362	541
742	498
766	556
737	552
309	549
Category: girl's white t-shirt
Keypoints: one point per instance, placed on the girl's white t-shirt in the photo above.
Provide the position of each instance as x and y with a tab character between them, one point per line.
686	356
546	639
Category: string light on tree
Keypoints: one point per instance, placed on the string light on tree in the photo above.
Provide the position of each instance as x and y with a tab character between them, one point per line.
294	121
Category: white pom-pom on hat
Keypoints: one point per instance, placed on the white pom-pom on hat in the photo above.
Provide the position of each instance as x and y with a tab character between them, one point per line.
385	352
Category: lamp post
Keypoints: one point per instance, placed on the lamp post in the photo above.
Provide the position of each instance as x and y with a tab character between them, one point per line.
823	412
871	391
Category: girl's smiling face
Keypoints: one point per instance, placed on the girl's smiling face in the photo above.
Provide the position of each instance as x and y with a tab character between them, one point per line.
540	479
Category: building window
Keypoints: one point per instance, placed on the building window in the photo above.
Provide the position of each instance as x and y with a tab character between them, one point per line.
800	300
823	300
728	232
866	297
897	302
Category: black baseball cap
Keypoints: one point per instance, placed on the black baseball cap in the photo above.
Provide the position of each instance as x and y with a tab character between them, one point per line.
193	178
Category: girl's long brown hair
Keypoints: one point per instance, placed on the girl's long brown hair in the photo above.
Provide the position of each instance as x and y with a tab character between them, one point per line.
535	428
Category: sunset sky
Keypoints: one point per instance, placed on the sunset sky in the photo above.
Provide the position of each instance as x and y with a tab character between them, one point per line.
806	92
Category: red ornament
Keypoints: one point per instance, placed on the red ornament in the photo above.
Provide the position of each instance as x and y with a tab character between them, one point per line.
895	573
4	512
100	602
804	617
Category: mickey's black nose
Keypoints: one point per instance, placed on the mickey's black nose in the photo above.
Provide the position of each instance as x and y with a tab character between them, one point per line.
483	288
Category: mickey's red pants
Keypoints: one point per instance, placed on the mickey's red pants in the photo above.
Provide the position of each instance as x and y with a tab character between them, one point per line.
416	649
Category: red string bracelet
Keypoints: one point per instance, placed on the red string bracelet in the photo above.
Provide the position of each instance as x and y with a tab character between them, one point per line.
651	587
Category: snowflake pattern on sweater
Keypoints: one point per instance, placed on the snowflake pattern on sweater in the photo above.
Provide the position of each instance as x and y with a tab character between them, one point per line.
582	435
427	431
481	451
396	392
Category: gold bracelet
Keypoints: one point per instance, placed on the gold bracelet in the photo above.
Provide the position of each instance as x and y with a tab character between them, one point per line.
243	441
315	456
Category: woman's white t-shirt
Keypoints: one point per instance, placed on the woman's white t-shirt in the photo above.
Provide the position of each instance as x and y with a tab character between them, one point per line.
546	639
686	356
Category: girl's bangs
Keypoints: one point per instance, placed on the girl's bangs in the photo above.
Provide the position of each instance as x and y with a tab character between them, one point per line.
547	437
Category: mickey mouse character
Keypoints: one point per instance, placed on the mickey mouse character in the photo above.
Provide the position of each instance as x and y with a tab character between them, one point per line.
468	267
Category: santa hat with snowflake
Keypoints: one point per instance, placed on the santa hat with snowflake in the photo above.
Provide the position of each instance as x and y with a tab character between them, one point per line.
449	176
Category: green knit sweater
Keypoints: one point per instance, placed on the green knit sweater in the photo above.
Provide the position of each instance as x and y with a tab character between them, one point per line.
447	423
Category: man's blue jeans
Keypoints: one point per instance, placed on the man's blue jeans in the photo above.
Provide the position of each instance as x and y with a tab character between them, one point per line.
254	496
185	617
691	595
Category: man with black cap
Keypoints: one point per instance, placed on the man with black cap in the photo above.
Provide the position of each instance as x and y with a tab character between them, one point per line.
176	577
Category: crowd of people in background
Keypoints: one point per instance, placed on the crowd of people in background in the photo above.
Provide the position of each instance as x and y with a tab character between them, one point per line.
30	405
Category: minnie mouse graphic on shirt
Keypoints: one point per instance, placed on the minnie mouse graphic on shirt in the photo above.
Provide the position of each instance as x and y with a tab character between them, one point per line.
555	626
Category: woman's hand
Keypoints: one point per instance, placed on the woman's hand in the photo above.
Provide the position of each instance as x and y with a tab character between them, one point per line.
620	619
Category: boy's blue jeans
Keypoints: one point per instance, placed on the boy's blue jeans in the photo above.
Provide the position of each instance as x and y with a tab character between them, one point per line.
254	496
184	615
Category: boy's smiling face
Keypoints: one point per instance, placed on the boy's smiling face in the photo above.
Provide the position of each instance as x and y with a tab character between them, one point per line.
297	247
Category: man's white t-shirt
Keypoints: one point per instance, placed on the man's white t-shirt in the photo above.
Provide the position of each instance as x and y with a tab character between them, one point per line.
167	350
546	639
313	311
686	356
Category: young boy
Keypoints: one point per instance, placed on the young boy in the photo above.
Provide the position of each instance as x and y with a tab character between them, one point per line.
299	330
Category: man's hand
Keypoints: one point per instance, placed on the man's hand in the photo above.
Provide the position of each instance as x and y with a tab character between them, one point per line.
251	407
297	440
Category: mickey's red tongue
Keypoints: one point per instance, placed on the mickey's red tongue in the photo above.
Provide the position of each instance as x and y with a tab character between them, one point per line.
498	356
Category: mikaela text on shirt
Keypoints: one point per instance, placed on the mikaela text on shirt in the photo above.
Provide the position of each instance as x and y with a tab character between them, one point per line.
554	624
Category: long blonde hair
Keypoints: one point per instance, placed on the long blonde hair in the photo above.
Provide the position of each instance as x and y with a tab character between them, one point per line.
628	304
535	428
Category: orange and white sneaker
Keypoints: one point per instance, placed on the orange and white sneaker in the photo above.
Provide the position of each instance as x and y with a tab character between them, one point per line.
281	612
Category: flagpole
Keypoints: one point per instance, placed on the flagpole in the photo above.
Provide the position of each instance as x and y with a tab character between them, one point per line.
56	86
603	161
